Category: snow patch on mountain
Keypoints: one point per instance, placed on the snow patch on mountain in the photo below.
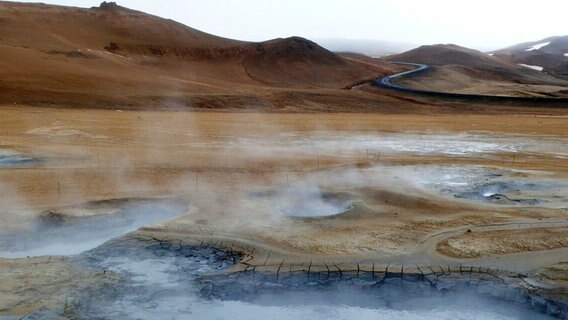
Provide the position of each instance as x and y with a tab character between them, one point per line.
538	46
537	68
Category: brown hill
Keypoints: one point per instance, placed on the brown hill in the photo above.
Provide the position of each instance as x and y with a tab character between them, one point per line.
459	69
49	27
445	54
284	61
114	55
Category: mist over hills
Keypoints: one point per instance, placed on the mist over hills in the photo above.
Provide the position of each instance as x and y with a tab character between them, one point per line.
373	48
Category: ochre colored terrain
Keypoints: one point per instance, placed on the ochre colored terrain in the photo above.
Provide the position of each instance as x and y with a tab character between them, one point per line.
118	104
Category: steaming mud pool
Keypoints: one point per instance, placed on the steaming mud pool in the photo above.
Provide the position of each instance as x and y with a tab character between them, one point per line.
304	202
173	281
12	158
55	234
495	186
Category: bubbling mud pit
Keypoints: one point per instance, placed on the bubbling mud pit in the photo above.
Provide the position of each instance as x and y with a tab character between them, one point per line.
154	278
497	186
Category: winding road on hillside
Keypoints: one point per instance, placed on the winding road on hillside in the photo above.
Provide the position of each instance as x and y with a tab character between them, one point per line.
389	82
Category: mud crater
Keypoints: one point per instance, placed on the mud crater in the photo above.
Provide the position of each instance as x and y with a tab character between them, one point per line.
305	202
501	187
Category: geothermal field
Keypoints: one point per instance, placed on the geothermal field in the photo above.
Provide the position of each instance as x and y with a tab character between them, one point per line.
142	214
149	170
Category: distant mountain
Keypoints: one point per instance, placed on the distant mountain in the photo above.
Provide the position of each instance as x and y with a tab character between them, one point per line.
460	69
549	54
445	54
373	48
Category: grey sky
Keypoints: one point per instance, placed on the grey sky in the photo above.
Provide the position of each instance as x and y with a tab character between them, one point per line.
481	24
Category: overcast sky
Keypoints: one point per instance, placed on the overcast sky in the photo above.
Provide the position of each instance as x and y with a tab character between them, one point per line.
481	24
